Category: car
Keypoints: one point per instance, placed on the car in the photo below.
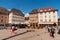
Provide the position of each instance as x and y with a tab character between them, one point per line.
2	26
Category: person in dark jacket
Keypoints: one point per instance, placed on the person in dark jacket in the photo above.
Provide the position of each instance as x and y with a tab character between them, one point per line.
53	32
49	29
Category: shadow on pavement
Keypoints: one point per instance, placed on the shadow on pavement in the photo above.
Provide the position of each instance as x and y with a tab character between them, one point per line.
14	35
18	34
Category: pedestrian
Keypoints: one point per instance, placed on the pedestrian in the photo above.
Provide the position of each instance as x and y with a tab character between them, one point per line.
58	29
53	31
50	33
49	29
12	29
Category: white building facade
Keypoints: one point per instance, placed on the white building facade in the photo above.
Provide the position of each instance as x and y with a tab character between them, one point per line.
46	16
15	19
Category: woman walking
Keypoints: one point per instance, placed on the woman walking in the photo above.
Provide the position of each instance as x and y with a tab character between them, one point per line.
12	29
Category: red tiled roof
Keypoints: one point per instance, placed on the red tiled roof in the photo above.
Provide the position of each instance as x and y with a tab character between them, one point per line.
44	9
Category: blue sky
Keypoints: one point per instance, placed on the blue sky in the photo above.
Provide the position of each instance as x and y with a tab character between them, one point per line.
27	6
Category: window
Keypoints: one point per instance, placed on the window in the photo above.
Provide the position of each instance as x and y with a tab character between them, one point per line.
53	11
40	12
41	20
45	12
45	20
2	16
1	24
45	16
5	17
49	20
1	21
49	12
33	24
30	24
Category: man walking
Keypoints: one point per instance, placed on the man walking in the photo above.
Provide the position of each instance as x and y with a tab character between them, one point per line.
53	31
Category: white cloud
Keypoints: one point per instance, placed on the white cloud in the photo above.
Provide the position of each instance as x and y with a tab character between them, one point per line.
27	14
9	9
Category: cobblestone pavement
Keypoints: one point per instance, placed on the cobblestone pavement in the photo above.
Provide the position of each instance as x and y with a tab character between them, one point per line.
23	34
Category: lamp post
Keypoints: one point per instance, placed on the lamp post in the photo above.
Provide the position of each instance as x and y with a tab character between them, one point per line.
4	22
